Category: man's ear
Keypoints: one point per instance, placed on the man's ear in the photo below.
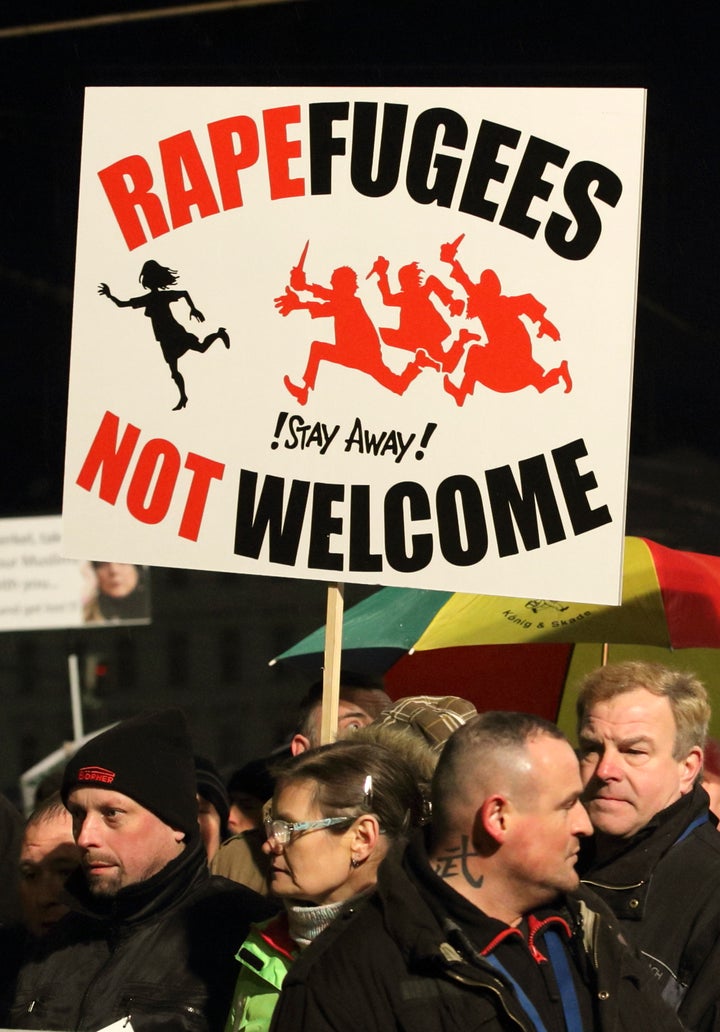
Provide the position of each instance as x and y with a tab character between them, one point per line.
299	743
492	818
366	833
690	769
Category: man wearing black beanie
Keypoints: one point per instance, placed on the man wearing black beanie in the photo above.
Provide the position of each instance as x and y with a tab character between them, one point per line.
150	943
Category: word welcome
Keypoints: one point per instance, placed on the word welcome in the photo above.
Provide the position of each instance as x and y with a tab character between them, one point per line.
351	528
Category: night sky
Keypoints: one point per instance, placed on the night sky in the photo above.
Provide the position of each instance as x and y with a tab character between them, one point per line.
674	495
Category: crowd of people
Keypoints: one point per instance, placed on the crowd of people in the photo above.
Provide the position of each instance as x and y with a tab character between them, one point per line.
435	868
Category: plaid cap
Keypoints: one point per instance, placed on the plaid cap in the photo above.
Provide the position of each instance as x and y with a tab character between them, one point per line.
433	717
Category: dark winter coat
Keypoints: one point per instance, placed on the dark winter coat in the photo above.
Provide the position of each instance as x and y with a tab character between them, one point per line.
389	965
663	886
161	952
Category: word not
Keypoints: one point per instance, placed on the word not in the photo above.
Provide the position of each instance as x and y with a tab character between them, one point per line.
410	526
441	159
154	478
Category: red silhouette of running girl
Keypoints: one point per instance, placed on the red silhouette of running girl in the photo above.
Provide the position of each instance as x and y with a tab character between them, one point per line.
421	324
505	362
357	345
174	339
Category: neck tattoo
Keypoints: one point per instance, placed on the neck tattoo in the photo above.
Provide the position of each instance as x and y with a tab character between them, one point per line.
453	863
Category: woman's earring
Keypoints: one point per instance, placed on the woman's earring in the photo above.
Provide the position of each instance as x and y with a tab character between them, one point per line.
354	862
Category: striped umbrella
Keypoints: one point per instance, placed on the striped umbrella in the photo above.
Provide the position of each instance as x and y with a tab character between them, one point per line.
439	642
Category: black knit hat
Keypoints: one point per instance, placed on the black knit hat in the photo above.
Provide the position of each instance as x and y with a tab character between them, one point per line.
150	759
253	779
210	786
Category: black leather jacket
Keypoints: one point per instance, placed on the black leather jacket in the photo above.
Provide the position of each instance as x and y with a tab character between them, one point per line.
161	953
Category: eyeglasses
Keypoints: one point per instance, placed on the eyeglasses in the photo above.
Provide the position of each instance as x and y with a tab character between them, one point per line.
281	832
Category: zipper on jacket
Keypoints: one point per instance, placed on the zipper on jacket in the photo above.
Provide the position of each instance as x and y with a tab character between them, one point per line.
615	888
155	1006
490	981
474	983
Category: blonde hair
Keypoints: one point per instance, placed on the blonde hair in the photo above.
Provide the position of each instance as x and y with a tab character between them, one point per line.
687	696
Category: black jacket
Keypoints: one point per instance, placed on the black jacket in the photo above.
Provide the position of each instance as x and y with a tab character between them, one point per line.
389	965
161	951
664	887
11	833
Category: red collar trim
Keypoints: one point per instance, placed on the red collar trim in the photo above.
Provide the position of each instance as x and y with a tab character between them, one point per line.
277	935
494	943
535	928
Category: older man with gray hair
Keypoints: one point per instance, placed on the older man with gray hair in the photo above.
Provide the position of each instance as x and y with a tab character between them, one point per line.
655	857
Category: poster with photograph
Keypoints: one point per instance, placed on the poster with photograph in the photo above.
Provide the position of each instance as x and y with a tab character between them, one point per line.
40	589
379	336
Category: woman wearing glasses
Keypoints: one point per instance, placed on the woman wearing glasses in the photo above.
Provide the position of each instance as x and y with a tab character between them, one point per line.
335	814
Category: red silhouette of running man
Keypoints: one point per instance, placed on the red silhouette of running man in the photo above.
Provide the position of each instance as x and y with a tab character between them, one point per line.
357	345
505	363
421	324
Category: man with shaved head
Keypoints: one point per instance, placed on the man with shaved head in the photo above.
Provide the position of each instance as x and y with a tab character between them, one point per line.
481	921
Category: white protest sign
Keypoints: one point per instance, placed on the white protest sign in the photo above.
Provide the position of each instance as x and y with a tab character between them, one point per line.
380	336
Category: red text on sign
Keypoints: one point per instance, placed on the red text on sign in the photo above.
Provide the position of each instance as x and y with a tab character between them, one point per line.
155	478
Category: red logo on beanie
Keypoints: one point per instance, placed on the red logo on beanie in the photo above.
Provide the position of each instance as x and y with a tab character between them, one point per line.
96	774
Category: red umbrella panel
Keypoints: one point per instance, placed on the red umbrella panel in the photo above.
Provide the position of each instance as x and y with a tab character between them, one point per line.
541	679
528	677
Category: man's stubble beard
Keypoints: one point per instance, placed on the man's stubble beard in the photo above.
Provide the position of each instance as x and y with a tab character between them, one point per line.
104	888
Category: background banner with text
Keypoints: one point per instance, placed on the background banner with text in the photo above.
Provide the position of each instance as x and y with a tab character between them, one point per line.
40	589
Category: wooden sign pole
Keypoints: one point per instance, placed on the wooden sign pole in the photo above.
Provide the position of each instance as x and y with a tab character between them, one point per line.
332	662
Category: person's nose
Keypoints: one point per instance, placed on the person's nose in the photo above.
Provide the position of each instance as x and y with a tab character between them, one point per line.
43	889
608	768
50	890
270	846
581	822
87	834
